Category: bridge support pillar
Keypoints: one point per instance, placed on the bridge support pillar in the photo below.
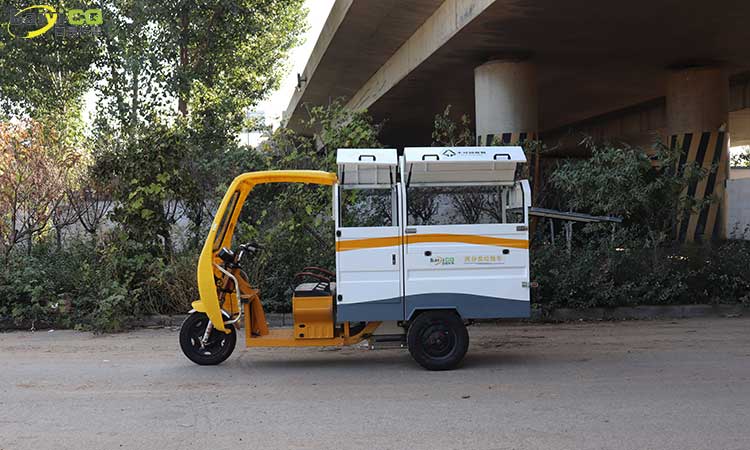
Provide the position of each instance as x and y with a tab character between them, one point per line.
697	116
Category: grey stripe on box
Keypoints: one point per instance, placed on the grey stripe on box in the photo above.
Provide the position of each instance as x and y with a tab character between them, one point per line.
468	306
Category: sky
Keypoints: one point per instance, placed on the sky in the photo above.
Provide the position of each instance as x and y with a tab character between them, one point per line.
276	104
273	107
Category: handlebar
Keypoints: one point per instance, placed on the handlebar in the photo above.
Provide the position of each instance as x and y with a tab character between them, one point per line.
317	276
233	260
251	247
319	270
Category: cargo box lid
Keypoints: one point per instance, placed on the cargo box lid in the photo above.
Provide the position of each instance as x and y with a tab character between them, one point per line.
367	166
461	164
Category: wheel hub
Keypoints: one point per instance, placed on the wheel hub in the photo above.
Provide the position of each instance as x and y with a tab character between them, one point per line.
215	341
438	340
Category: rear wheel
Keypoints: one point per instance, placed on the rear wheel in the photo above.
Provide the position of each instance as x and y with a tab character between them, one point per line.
218	347
438	340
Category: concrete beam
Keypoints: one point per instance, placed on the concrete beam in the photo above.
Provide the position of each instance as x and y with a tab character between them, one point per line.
642	124
444	23
739	127
697	100
739	110
739	92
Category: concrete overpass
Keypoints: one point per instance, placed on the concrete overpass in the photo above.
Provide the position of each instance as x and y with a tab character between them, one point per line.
621	70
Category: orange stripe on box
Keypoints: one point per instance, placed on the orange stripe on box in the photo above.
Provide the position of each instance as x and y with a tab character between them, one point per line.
467	239
358	244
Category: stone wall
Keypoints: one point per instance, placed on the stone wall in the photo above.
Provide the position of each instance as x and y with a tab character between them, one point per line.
738	214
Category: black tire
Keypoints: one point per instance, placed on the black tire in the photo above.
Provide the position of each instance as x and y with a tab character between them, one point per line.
218	348
438	340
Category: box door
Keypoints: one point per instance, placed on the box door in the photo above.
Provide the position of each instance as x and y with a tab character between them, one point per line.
368	254
466	247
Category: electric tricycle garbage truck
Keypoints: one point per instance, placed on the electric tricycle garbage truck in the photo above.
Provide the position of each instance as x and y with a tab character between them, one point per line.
425	242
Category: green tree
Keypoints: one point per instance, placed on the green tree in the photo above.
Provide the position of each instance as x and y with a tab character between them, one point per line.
741	158
447	132
136	65
148	180
45	77
648	191
213	60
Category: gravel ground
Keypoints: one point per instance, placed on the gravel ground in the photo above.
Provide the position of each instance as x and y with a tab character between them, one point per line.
610	385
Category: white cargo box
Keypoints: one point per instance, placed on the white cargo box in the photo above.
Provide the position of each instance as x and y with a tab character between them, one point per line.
367	166
435	165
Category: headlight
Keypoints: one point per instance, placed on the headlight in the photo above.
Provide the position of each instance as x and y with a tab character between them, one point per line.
226	255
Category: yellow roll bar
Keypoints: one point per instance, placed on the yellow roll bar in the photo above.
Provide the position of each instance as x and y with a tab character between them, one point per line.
236	196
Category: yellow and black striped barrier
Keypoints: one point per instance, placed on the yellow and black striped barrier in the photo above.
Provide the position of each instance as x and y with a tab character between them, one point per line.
505	139
708	151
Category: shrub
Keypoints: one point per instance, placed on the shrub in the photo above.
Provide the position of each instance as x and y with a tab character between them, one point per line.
98	286
624	273
641	262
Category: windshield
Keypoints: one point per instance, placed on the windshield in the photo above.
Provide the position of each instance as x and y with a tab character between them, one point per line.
224	223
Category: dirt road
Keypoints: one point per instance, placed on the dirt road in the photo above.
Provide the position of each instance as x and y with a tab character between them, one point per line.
629	385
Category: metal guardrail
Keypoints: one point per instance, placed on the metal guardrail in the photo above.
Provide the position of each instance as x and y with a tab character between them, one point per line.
568	219
571	216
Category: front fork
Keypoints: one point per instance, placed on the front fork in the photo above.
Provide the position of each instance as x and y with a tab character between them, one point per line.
238	293
207	334
210	329
229	321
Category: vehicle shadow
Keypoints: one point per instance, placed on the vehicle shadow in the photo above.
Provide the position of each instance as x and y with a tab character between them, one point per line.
328	360
501	359
324	361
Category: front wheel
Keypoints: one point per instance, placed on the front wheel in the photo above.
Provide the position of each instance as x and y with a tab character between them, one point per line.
218	347
438	340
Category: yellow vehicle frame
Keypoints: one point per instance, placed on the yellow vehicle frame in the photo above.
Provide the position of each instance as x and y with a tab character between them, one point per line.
209	270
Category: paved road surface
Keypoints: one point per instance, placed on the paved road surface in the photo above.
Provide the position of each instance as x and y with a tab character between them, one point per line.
629	385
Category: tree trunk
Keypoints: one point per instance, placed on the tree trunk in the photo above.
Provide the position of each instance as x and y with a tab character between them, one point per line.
184	87
196	236
134	100
167	236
